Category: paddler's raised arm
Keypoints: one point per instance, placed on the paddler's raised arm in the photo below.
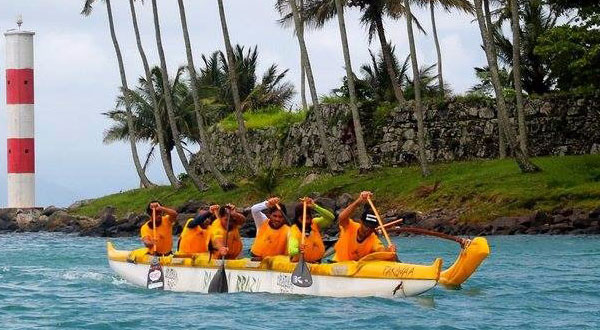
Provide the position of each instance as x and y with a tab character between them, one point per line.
170	212
325	218
257	210
344	217
236	217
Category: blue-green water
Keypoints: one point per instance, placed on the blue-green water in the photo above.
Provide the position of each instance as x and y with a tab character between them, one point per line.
62	281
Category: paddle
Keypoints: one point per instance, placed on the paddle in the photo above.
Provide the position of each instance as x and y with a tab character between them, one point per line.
301	276
156	277
381	226
219	282
283	213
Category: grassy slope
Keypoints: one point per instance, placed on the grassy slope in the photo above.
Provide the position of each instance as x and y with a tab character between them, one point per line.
487	189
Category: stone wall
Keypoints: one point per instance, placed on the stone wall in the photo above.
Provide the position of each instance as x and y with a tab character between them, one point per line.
455	130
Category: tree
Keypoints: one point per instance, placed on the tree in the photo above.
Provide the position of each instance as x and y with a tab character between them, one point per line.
373	12
516	31
169	103
447	5
234	90
417	86
205	145
506	130
574	56
329	157
87	9
165	153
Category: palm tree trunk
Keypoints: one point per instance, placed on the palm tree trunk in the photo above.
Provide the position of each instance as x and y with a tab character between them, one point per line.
387	57
208	158
514	7
363	157
170	105
132	133
235	91
437	49
162	146
488	22
329	157
303	85
417	87
521	158
303	70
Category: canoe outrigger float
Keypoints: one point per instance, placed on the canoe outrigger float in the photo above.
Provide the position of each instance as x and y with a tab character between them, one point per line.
370	276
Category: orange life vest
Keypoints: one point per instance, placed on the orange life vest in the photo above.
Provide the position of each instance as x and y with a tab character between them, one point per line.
164	234
348	248
315	249
194	240
270	242
234	239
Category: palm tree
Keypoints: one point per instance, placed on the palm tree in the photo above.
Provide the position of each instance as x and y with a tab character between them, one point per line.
234	90
447	5
327	9
329	157
417	85
373	12
506	130
205	149
514	9
375	75
170	106
87	10
363	157
302	66
165	154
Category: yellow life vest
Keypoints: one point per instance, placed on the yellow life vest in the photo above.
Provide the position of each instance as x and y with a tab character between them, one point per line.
234	239
315	249
348	248
270	242
194	240
164	234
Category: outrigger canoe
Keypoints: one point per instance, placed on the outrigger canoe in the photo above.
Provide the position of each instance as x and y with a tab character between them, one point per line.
371	276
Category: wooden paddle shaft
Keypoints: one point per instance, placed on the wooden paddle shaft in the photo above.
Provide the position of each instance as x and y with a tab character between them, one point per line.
303	220
154	230
387	237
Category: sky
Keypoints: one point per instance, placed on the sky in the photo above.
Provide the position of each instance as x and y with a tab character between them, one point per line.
76	74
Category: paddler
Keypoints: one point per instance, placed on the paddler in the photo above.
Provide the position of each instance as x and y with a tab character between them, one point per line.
195	236
271	231
313	247
165	218
218	231
358	239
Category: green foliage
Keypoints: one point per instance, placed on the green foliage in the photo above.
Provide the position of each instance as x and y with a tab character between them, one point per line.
485	189
475	99
382	113
270	89
264	118
266	182
574	56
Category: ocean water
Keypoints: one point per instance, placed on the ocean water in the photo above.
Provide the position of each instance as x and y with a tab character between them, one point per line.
63	281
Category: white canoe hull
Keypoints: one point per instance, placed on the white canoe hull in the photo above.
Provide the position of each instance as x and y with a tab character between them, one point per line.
195	279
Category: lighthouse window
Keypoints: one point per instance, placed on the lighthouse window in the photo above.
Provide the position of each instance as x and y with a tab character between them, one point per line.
8	82
9	151
26	151
25	82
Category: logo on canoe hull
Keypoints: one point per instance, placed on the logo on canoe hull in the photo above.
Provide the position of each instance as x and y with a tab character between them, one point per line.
156	278
154	275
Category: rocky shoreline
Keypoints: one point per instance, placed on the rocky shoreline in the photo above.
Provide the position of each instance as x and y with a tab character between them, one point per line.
107	224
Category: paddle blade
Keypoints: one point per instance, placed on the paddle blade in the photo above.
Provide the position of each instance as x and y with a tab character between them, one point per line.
301	276
156	277
219	282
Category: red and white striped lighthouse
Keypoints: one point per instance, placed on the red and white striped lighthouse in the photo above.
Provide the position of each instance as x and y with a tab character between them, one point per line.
19	105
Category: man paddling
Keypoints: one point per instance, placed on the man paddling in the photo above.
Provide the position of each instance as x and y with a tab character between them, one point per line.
218	231
313	247
271	231
358	239
195	236
165	218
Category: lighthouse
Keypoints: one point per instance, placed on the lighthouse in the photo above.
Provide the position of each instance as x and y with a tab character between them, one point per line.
19	107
